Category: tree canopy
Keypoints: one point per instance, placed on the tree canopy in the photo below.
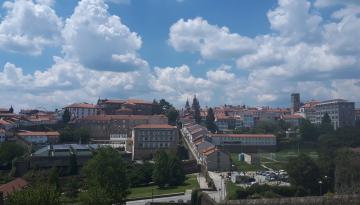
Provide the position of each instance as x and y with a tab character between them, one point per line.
38	194
304	172
66	116
9	151
168	170
106	172
210	121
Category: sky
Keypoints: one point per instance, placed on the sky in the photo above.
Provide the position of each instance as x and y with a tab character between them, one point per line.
253	52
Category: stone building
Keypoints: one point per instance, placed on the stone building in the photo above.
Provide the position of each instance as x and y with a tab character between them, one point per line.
149	138
117	127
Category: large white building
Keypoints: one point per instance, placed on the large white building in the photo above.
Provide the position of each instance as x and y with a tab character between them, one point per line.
81	110
341	112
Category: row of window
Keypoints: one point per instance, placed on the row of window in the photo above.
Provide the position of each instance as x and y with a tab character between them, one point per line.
156	138
155	132
154	145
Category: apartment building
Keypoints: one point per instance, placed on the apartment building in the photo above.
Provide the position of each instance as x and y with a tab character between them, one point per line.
341	112
147	139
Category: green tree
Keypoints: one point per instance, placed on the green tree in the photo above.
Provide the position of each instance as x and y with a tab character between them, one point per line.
196	110
73	166
156	109
161	168
176	171
172	115
304	172
210	121
82	135
326	125
53	178
39	194
66	116
182	153
106	171
9	151
96	195
308	131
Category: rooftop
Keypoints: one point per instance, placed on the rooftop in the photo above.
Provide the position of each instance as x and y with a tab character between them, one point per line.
119	117
31	133
155	126
12	186
81	105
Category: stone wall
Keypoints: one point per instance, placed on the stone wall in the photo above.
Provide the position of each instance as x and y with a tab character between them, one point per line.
325	200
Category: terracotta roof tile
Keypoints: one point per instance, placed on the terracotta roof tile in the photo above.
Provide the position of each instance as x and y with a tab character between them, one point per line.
12	186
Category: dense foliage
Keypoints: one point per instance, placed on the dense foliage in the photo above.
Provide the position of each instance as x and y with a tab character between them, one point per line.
168	170
9	151
167	109
210	121
106	178
39	194
77	135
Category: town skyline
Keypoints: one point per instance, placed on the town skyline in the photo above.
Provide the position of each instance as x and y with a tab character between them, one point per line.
119	51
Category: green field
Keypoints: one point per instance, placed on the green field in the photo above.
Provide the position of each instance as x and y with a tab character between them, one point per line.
146	191
243	166
274	161
231	190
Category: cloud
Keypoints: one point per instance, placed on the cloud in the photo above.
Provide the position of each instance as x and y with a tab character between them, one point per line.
221	74
326	3
99	40
295	20
66	82
29	27
212	41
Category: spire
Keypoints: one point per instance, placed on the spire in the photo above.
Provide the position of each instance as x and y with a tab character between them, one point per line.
11	110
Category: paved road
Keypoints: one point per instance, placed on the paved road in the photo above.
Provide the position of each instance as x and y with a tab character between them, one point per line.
185	198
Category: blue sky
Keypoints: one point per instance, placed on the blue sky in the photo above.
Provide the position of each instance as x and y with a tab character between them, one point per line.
252	52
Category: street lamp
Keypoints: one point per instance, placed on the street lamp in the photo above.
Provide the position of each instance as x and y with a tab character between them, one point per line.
320	183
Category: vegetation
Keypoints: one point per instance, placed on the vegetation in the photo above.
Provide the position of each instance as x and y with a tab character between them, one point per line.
210	121
304	172
182	153
39	194
168	170
196	110
9	151
266	191
106	178
140	174
77	135
166	108
148	190
66	116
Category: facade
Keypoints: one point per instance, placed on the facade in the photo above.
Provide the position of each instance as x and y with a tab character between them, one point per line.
81	110
341	112
244	142
117	127
129	107
150	138
357	114
216	159
293	120
308	110
295	102
39	137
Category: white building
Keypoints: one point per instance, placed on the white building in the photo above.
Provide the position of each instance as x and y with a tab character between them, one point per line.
81	110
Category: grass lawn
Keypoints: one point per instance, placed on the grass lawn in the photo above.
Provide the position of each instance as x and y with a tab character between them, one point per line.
190	183
231	190
243	166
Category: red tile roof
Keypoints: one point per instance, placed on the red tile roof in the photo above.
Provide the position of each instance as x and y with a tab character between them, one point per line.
119	117
155	126
12	186
30	133
81	105
210	150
